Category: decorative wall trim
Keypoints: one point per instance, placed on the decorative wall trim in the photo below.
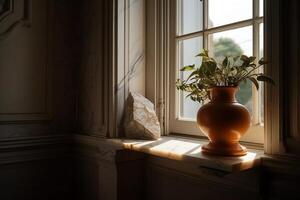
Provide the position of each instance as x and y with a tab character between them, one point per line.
13	10
22	149
23	142
7	12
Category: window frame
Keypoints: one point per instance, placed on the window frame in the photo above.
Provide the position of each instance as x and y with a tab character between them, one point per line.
158	77
157	70
187	126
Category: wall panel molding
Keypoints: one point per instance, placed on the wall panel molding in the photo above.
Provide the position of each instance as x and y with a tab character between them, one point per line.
6	8
26	62
15	13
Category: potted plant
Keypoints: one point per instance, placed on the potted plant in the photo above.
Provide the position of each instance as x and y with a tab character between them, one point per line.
223	120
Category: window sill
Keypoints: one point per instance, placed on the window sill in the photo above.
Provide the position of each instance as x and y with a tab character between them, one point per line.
189	151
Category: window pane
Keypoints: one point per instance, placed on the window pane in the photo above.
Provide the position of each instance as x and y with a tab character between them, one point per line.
190	13
229	11
233	43
187	51
261	8
261	54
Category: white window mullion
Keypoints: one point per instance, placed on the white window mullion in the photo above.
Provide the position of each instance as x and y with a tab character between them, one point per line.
205	23
255	9
189	36
255	93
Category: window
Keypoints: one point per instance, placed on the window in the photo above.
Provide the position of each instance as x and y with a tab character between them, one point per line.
233	27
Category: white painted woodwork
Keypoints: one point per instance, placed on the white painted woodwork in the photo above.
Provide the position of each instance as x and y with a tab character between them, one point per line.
131	53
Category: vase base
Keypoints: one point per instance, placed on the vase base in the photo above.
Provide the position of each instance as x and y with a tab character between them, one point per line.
224	150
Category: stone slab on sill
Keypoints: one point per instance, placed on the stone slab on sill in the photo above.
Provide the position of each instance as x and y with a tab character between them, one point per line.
189	150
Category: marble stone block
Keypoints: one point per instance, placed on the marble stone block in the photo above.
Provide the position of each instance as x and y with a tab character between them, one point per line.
140	119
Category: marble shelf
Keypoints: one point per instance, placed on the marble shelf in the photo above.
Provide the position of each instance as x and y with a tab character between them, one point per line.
189	150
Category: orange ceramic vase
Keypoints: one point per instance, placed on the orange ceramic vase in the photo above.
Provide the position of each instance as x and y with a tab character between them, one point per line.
224	121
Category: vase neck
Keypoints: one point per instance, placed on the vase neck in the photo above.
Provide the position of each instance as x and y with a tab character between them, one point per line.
223	94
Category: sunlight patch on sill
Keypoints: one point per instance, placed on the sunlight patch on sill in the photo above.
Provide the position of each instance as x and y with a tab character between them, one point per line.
176	147
249	157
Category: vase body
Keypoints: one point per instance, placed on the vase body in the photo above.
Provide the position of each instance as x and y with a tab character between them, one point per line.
224	121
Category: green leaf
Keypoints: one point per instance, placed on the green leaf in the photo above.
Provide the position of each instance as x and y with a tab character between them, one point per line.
204	70
265	78
200	86
203	53
225	61
262	61
254	81
208	67
252	59
212	66
193	98
246	60
206	59
187	68
192	94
